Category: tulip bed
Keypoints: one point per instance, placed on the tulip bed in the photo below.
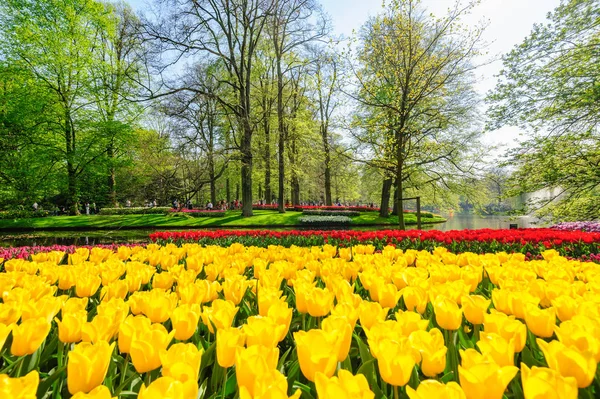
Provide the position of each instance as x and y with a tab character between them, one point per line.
194	321
531	242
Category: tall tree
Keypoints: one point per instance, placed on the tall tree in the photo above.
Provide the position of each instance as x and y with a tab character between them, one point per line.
114	85
54	41
292	25
414	89
326	76
550	85
228	32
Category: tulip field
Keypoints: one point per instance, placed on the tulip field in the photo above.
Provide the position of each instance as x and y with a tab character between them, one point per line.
368	317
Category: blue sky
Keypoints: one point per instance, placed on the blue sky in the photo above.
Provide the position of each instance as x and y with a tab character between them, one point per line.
510	21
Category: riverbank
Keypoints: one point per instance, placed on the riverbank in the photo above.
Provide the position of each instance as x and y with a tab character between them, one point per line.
232	219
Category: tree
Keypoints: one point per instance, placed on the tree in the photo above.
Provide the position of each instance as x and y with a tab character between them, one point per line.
326	75
414	89
54	42
227	32
114	85
291	27
550	85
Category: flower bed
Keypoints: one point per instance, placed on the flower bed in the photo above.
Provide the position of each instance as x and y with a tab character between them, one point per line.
578	226
157	210
198	213
323	212
325	221
527	241
193	321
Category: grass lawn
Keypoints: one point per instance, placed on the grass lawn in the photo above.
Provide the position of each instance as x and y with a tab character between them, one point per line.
231	219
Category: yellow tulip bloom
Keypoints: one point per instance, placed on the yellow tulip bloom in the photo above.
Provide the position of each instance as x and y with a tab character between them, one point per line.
545	383
344	386
87	365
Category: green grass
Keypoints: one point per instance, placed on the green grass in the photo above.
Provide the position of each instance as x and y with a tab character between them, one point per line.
231	219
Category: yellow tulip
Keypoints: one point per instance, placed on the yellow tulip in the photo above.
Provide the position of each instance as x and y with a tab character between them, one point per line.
415	299
317	352
100	392
10	313
73	305
20	388
146	347
87	365
234	288
116	289
431	346
228	341
130	329
163	281
158	305
411	321
262	331
545	383
255	364
387	295
507	327
87	285
475	308
281	314
540	322
346	310
169	388
341	327
569	362
344	386
221	314
180	353
28	336
499	349
69	328
47	307
4	331
566	307
101	328
518	302
434	389
485	380
396	361
370	313
319	302
577	336
447	313
271	385
184	319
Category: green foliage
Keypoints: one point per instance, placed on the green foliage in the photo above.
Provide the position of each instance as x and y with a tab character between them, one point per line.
549	85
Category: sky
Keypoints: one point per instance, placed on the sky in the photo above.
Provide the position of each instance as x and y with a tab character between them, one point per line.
509	22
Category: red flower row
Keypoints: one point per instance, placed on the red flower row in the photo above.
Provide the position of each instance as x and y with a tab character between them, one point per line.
522	236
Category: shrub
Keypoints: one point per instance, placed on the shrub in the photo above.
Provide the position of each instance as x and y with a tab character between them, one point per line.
324	212
198	213
159	210
22	214
325	220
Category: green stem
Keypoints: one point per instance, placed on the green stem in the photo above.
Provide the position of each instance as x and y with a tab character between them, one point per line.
124	369
476	329
396	394
12	365
224	381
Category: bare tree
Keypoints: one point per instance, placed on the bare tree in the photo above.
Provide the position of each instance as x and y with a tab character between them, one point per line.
226	32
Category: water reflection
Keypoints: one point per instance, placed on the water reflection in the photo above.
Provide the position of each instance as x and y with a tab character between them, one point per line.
470	221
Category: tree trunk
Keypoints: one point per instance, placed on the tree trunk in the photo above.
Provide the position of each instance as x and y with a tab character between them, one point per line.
384	210
112	180
282	134
399	207
246	156
294	180
327	166
268	193
227	189
72	197
395	201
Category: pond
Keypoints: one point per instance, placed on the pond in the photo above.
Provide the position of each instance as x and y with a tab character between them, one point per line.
121	236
